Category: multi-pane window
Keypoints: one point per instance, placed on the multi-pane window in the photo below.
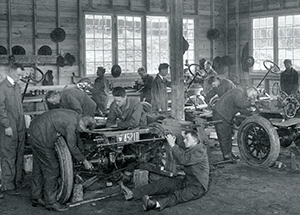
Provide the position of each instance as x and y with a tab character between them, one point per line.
98	42
189	35
120	39
284	44
289	39
157	42
263	48
129	43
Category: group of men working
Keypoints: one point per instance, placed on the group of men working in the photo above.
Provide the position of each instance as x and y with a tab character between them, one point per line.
75	114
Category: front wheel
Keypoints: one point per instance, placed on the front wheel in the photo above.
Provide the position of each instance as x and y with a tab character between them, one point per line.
65	182
258	142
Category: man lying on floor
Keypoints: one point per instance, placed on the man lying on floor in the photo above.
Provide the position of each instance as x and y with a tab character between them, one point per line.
193	186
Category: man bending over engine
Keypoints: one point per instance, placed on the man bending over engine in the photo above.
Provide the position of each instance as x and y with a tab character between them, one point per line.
125	112
43	134
73	99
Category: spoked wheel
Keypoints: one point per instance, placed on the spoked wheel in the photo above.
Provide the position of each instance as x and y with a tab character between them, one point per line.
271	66
258	142
34	75
196	70
65	181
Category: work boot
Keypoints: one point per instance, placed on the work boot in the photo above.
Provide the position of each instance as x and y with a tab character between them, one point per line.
57	207
37	202
12	192
148	203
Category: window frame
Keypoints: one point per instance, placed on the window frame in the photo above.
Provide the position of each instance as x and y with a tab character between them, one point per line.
275	17
115	36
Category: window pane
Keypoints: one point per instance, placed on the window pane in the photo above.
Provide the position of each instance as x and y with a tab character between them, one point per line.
138	56
99	56
121	56
107	54
121	44
99	44
89	44
129	45
90	56
137	45
107	44
90	68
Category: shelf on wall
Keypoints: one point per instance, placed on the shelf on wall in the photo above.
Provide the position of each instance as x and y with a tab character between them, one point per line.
31	59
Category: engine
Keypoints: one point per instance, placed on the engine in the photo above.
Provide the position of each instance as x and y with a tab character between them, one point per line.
108	151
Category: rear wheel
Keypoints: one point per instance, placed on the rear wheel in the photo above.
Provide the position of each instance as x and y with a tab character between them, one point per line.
66	170
258	142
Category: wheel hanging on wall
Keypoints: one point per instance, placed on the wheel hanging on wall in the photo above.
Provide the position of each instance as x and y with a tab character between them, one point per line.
258	142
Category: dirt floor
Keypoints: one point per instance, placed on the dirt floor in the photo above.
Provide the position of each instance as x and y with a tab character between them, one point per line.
234	189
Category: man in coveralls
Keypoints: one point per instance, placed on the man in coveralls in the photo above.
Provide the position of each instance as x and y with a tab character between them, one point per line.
232	102
194	184
43	133
12	130
73	99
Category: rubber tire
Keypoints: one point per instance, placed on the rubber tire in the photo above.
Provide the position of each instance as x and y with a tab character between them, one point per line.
273	137
66	170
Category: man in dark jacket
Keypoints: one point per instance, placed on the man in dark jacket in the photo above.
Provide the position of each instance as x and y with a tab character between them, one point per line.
210	72
100	91
232	102
193	186
43	134
147	84
289	78
159	92
73	99
219	87
125	112
12	130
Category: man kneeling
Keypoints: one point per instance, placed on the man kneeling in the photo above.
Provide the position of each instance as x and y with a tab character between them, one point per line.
193	186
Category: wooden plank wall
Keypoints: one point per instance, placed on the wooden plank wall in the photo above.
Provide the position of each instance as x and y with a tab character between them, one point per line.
239	25
28	23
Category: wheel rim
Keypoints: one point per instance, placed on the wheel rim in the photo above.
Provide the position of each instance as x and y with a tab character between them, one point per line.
257	142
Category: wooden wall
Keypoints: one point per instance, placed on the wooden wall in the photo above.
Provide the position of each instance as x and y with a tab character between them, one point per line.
28	23
240	13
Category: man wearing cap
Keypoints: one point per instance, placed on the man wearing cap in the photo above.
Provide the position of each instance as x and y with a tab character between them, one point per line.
73	99
289	78
159	92
100	91
43	134
233	101
125	112
147	81
12	130
219	87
